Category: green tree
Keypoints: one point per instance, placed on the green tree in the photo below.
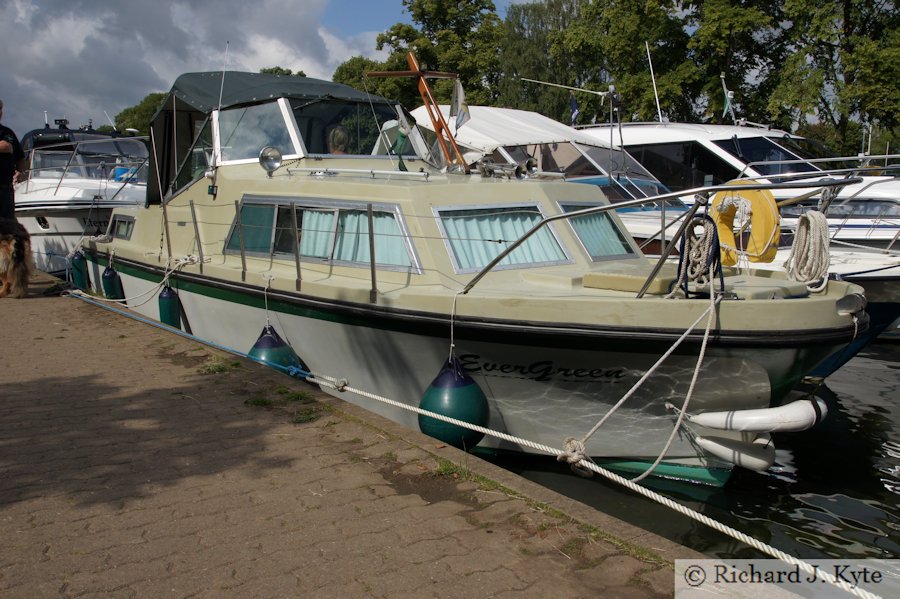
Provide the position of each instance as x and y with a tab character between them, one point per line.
843	68
282	71
607	47
526	36
741	41
138	116
453	36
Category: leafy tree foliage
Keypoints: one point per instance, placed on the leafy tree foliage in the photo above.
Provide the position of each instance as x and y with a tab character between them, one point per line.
526	36
138	117
607	46
282	71
828	69
843	66
739	43
454	36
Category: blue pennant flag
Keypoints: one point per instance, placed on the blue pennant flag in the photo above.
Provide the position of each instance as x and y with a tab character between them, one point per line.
573	104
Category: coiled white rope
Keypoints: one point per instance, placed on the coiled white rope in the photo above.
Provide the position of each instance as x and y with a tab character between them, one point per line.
696	256
810	258
341	385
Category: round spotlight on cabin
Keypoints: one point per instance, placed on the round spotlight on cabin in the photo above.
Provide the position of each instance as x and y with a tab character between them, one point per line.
270	159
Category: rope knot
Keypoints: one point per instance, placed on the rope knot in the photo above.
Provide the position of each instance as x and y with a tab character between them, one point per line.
341	385
573	453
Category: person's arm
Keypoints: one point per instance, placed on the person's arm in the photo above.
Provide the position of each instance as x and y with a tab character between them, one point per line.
19	175
5	147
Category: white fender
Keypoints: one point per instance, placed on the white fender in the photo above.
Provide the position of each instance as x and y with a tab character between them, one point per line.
758	456
796	416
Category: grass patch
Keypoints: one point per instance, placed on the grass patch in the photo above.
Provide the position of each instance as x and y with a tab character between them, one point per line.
259	401
307	415
218	364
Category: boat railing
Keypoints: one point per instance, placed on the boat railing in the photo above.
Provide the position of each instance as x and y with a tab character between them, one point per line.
863	169
701	195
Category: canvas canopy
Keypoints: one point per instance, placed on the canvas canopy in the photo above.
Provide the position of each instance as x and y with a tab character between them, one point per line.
195	95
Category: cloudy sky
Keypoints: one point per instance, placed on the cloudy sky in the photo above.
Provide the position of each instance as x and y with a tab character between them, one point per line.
83	59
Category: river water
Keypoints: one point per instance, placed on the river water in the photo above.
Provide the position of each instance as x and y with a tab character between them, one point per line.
833	492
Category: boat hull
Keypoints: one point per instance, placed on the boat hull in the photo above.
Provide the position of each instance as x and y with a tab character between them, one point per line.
56	233
542	385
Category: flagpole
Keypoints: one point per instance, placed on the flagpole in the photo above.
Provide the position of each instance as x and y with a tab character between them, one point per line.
653	78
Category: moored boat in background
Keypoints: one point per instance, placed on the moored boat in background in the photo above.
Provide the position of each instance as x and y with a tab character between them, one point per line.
863	217
75	178
509	142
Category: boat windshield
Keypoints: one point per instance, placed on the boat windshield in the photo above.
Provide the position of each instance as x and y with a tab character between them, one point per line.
586	164
334	127
764	150
812	150
117	159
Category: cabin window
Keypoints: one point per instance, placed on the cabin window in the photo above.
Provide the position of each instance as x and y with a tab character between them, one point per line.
198	160
256	228
598	233
122	227
244	131
477	236
849	208
761	149
326	233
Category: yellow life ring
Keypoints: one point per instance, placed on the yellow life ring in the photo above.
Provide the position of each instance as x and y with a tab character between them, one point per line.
765	224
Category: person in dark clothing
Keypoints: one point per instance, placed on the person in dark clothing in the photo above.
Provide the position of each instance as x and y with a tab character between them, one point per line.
12	169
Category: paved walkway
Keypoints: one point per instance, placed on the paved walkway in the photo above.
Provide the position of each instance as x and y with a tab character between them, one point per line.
138	463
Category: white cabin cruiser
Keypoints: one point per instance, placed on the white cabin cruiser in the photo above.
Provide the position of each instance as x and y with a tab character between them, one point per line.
687	155
863	218
547	306
75	178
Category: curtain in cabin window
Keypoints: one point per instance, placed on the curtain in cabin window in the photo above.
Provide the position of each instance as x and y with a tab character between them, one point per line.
601	238
317	230
352	243
477	236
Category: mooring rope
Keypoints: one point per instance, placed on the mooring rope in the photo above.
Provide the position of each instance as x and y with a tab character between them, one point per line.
132	301
809	258
760	546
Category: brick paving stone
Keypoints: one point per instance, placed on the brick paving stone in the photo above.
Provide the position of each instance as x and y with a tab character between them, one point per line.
126	471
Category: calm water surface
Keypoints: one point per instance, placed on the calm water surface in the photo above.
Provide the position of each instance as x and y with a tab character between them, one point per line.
833	492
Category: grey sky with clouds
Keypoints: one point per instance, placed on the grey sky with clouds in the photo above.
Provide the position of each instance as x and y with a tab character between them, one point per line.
81	58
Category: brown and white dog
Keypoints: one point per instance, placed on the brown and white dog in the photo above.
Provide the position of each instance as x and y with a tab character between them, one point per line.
15	258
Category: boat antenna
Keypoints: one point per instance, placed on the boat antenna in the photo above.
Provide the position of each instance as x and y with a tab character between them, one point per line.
653	78
577	89
110	121
444	137
222	83
46	121
213	187
569	87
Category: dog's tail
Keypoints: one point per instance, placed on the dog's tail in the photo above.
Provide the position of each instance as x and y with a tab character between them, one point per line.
19	249
20	270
